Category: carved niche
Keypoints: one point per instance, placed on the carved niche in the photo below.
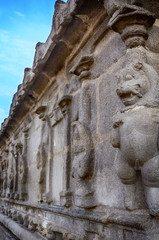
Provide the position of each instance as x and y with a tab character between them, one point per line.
82	143
11	183
13	177
136	129
23	168
83	165
18	169
66	194
44	156
4	175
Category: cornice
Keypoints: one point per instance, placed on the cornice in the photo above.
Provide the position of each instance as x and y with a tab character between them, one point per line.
49	58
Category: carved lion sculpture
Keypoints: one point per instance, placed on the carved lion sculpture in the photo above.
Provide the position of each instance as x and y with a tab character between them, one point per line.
136	131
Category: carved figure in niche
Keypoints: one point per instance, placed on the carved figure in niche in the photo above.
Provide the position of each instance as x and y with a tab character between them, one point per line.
82	144
16	153
11	183
136	131
23	168
83	165
66	195
4	178
44	155
4	169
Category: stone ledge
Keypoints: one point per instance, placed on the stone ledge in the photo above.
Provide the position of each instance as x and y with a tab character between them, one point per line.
140	220
17	230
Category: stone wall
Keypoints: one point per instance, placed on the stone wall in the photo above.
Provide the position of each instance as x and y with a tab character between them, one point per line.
79	150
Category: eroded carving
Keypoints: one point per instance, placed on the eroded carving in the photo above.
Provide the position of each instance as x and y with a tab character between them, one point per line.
23	168
16	151
83	165
11	183
32	224
4	173
136	131
20	218
14	215
66	195
82	69
44	156
82	143
130	20
55	231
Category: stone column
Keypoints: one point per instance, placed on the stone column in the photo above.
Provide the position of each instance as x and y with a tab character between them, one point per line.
130	20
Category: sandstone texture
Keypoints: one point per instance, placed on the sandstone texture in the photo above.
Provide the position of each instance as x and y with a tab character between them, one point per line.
79	151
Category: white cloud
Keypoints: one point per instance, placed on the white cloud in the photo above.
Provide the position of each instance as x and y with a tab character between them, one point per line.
19	14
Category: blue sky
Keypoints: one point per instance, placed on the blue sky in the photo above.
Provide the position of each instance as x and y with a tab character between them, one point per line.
23	24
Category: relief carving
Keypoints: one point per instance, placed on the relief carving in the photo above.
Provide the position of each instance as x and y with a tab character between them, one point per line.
11	183
130	20
82	69
66	195
15	151
55	232
23	168
4	174
83	165
14	215
44	156
32	225
20	218
82	144
26	220
136	131
4	179
18	171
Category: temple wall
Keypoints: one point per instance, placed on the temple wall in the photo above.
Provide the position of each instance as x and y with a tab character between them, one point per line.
79	150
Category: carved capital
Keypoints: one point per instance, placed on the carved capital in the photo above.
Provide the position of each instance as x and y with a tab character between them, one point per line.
41	112
64	104
130	20
82	68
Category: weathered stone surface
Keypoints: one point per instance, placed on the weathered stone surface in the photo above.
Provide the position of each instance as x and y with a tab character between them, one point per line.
79	150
